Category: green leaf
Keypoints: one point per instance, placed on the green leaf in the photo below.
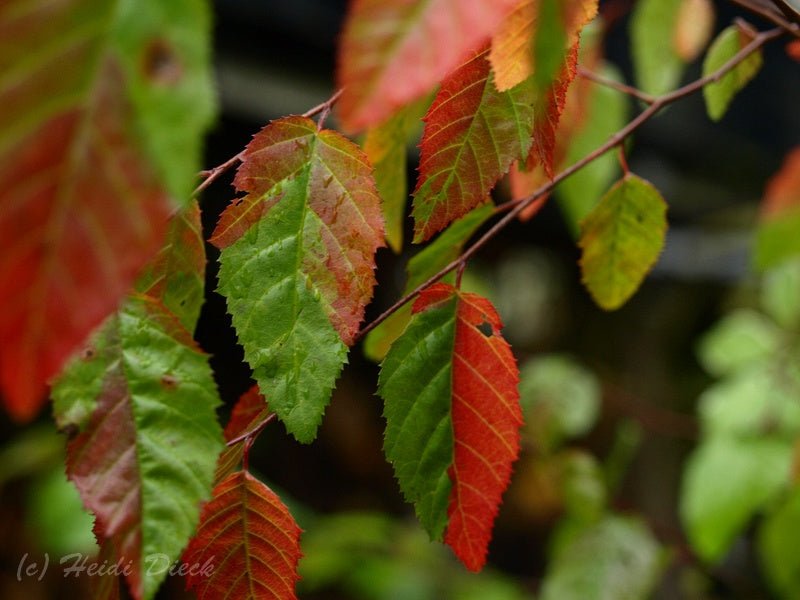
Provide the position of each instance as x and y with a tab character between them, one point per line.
780	294
718	95
738	340
777	239
296	263
549	44
424	265
621	240
560	398
386	146
416	374
727	481
606	111
777	546
617	559
56	515
756	401
656	63
146	459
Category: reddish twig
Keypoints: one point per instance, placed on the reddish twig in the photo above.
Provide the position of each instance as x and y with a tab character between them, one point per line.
616	85
768	11
515	207
253	432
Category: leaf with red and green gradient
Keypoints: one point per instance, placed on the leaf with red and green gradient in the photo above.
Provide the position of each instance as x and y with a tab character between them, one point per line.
249	541
621	240
250	410
548	108
515	49
386	146
424	265
145	458
297	260
472	134
96	137
176	275
777	234
452	417
392	53
719	94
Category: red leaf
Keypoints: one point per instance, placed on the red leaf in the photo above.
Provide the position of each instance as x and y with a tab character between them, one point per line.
547	114
249	542
486	419
783	190
82	213
101	461
394	52
472	134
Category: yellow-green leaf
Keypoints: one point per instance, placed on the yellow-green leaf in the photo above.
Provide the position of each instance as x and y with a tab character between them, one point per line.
621	240
718	95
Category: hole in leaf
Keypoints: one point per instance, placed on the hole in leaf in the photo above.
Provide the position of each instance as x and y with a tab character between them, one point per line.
486	329
160	63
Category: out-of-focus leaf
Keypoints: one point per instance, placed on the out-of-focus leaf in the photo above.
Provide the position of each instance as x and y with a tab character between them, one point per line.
394	52
617	559
780	294
104	105
657	65
57	516
560	399
718	95
621	239
758	401
386	146
726	482
694	27
777	546
603	111
736	341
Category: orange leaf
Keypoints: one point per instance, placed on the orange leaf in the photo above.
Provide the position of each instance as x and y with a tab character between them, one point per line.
783	191
511	55
395	52
247	545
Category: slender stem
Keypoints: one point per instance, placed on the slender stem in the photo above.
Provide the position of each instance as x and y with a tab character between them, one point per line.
211	175
768	12
324	107
616	85
517	206
623	161
253	432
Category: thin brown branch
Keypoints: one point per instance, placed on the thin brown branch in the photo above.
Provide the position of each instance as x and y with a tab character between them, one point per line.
517	206
211	175
616	85
766	10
